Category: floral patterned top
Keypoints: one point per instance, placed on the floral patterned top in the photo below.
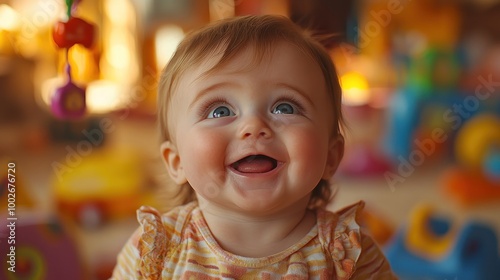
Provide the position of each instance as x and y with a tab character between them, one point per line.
179	245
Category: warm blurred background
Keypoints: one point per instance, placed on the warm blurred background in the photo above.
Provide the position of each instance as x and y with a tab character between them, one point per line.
421	83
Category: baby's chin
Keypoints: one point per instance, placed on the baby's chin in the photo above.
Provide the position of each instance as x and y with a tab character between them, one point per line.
262	203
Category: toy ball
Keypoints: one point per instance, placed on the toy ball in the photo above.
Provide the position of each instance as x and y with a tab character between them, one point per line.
476	139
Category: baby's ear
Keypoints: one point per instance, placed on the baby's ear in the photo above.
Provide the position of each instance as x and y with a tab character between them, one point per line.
173	162
335	154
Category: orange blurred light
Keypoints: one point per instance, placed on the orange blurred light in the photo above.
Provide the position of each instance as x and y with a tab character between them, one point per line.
355	89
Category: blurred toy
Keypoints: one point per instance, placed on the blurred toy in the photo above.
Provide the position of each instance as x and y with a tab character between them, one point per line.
403	120
413	119
74	31
405	28
470	188
476	178
41	249
430	247
478	139
428	236
418	107
68	101
105	185
434	70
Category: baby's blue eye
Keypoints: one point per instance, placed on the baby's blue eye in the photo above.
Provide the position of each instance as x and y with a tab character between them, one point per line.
220	112
283	108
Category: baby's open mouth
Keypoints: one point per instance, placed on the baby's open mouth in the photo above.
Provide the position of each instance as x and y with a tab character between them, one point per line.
255	164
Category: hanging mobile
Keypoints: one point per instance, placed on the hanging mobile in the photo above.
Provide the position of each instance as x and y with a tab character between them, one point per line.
68	101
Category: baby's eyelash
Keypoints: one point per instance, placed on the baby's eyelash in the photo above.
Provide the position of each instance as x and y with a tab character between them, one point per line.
290	99
210	104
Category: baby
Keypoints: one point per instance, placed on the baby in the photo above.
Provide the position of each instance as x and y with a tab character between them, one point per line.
250	114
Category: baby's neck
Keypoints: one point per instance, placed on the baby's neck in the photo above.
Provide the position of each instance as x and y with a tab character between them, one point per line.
258	236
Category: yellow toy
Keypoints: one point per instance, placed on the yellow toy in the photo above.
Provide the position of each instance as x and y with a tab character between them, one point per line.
422	239
106	184
476	139
476	179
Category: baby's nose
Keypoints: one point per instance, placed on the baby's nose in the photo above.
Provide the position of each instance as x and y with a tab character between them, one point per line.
256	127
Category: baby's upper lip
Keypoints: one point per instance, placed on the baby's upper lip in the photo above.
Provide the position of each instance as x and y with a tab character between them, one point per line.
249	157
246	156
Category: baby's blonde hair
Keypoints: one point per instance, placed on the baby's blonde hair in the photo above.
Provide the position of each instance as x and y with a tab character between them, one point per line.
228	38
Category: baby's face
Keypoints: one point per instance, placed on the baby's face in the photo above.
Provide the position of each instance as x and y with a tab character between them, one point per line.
254	137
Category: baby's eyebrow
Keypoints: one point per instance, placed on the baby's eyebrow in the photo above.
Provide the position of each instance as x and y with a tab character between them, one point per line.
295	89
209	89
227	84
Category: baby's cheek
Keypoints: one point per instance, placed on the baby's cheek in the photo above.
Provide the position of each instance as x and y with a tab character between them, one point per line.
312	145
204	157
309	154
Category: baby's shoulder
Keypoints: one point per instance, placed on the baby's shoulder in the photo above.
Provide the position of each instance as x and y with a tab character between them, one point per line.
170	224
339	233
157	235
345	219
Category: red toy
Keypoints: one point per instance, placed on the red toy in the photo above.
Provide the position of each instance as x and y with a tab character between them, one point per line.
475	179
469	187
68	101
74	31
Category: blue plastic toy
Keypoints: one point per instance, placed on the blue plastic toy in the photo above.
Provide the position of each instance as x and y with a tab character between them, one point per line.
430	98
431	248
406	113
492	165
